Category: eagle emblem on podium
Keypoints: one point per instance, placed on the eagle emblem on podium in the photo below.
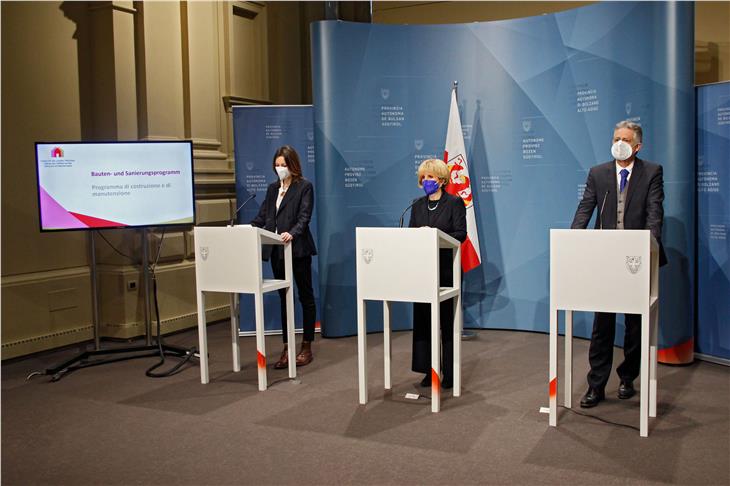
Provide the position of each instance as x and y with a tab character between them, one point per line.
633	263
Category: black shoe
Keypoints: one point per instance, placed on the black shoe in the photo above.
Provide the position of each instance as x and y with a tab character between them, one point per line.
591	398
626	390
426	381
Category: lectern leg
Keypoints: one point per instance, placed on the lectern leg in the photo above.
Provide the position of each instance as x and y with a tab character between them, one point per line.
386	344
644	399
435	357
362	345
234	333
568	392
202	339
553	371
654	330
458	326
290	336
260	340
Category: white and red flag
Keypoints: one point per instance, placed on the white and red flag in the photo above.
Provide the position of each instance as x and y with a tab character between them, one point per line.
460	184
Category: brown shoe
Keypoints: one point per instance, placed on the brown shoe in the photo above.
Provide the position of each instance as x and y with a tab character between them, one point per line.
305	354
283	360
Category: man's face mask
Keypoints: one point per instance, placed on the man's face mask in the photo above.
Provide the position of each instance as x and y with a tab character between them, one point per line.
621	150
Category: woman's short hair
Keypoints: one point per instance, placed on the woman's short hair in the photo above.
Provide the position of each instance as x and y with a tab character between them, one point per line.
436	167
292	161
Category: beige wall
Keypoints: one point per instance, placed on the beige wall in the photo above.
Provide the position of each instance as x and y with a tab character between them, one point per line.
45	285
462	12
117	70
712	42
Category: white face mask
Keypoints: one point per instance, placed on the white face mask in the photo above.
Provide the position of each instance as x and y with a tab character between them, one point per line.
282	172
621	150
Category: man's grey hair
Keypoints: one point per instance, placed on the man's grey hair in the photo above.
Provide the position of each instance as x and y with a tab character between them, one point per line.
635	127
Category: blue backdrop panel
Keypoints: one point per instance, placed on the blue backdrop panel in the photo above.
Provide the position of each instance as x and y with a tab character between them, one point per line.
257	132
539	98
713	220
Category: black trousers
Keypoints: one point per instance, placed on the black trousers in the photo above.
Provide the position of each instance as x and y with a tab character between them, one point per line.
302	269
600	353
422	326
422	338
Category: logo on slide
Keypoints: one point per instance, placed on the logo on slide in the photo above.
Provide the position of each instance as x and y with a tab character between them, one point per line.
204	252
56	153
633	263
367	255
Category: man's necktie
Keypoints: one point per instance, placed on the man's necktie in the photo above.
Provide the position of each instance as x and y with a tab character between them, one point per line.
624	179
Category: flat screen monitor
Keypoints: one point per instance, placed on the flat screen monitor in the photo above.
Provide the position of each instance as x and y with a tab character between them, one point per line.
98	185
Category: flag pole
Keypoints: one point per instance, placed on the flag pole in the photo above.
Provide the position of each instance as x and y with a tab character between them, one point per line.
466	334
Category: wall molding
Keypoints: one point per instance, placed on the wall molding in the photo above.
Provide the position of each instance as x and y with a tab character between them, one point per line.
130	330
45	276
230	101
112	6
44	342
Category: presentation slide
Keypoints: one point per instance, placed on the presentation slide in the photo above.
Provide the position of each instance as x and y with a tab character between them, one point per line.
115	184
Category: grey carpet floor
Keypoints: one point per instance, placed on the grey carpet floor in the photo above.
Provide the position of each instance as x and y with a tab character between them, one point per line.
113	425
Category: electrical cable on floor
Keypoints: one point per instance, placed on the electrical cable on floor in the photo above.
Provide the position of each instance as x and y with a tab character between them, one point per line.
599	418
190	352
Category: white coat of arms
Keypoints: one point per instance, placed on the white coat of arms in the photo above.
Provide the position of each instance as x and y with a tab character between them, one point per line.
204	251
633	263
367	255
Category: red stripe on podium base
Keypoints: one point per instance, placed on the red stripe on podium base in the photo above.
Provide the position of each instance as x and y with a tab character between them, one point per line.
260	359
553	388
435	381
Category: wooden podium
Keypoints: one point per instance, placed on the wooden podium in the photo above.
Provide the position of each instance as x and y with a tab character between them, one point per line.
228	259
402	265
605	271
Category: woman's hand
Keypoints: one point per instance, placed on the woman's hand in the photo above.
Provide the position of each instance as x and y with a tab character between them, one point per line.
286	237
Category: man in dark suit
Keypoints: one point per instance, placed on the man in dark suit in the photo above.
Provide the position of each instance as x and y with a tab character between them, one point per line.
627	193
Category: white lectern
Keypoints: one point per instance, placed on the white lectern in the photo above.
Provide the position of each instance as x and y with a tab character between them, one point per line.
402	264
605	271
228	259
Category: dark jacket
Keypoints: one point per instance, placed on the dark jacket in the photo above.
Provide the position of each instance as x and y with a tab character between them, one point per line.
644	200
449	217
295	212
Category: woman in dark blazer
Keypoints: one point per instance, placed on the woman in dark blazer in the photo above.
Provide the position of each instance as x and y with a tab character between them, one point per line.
287	211
437	209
